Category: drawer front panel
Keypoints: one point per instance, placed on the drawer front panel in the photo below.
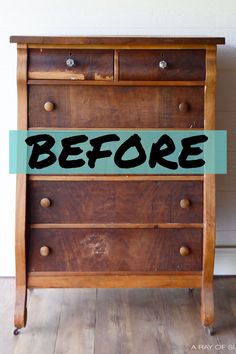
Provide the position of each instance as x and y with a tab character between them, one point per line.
145	65
115	202
115	250
79	64
116	107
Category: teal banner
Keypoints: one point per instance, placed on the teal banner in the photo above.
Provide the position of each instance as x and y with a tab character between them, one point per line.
118	152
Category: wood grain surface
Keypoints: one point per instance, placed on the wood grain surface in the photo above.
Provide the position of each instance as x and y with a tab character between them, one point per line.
115	106
115	202
21	185
115	250
209	197
113	40
89	64
144	65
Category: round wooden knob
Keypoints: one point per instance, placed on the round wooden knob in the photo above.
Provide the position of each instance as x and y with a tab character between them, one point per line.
49	106
184	203
44	251
45	202
183	107
184	251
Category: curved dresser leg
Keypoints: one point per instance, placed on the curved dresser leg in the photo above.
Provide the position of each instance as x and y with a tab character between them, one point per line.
207	309
21	182
209	202
20	317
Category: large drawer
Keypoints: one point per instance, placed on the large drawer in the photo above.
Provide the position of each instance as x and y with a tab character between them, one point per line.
147	65
114	250
115	202
115	106
77	64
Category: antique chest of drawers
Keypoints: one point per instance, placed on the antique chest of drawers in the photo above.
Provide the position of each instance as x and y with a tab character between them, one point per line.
115	230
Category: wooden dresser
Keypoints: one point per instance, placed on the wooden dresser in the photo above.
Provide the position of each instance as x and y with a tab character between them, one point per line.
115	230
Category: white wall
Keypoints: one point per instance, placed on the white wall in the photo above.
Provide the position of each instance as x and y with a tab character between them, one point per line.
123	17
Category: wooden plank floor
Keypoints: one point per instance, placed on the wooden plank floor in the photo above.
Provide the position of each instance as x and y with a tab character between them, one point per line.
118	321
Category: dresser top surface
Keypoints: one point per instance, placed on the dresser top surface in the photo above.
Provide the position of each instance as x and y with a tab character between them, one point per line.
116	40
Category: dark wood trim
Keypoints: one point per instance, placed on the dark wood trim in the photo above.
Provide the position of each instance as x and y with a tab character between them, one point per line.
114	83
107	129
75	274
107	40
117	226
115	178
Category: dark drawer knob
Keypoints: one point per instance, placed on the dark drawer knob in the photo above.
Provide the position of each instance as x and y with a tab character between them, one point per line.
184	203
184	107
45	203
184	251
49	106
70	62
163	64
44	251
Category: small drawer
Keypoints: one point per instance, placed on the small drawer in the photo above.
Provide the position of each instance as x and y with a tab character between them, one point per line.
73	106
115	202
73	64
114	250
159	65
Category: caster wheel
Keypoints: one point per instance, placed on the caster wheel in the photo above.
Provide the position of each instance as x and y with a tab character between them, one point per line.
209	330
190	290
16	331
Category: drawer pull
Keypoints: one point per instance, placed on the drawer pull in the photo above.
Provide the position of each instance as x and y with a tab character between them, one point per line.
45	203
184	203
49	106
184	251
163	64
184	107
70	62
44	251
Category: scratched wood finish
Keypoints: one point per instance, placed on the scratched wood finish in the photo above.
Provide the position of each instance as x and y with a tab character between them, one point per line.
116	107
115	250
144	65
114	202
89	64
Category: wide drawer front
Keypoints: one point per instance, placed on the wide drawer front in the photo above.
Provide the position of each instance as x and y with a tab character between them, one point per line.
162	65
115	202
115	107
77	64
115	250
